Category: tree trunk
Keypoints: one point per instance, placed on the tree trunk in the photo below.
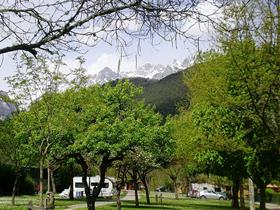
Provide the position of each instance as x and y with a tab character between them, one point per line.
92	196
242	201
187	185
176	191
235	188
49	179
83	164
71	196
71	193
135	188
175	187
251	194
53	182
118	198
90	203
41	184
144	181
262	197
17	173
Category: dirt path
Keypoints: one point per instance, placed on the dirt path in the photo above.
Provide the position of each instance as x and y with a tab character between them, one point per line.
271	206
129	196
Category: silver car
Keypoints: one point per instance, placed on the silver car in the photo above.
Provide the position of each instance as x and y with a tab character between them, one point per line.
212	195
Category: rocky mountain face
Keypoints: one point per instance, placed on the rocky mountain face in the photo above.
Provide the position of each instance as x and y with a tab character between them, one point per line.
148	70
6	108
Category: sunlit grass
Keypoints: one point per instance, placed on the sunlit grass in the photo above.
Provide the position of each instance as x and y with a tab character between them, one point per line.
167	204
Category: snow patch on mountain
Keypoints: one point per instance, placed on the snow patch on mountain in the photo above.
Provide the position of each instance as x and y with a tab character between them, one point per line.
148	70
6	108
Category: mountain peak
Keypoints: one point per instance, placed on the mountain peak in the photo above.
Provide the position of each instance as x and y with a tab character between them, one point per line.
147	70
6	108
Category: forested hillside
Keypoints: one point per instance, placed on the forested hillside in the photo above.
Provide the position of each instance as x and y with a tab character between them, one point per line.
166	94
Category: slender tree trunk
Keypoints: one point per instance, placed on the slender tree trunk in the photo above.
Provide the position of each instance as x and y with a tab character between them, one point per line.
262	197
53	182
71	196
135	188
102	170
49	180
90	203
175	187
41	184
235	188
251	194
71	193
17	173
144	181
118	199
187	185
242	201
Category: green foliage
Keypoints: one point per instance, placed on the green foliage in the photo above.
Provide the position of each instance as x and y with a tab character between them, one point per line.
166	94
234	96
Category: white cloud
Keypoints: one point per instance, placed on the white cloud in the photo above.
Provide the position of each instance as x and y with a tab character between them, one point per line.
128	63
200	24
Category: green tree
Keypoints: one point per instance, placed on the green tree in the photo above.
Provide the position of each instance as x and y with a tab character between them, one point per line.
34	89
12	151
214	133
251	45
111	122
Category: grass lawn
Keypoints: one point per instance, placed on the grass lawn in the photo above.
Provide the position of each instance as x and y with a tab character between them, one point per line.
167	204
22	201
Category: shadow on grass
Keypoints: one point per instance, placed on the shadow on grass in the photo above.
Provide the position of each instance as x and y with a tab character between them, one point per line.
131	205
200	205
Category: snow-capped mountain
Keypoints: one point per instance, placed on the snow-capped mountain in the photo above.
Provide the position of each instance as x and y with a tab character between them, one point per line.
105	75
6	108
148	70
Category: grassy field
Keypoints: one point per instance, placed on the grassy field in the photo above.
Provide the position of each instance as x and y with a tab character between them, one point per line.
167	204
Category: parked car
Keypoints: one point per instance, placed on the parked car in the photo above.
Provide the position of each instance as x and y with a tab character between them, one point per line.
212	195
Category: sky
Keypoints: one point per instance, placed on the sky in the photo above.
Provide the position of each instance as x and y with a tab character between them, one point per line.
104	55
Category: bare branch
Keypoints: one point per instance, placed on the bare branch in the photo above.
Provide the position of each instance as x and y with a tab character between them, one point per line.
32	27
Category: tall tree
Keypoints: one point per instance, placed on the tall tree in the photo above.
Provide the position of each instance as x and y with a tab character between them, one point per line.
34	91
111	123
13	150
251	45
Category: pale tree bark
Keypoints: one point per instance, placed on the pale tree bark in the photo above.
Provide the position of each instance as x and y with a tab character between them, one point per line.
251	194
53	182
49	180
41	180
118	196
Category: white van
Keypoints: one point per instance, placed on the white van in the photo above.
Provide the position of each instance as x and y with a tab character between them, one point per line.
107	190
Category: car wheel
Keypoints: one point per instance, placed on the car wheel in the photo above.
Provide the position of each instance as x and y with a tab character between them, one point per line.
202	197
221	198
